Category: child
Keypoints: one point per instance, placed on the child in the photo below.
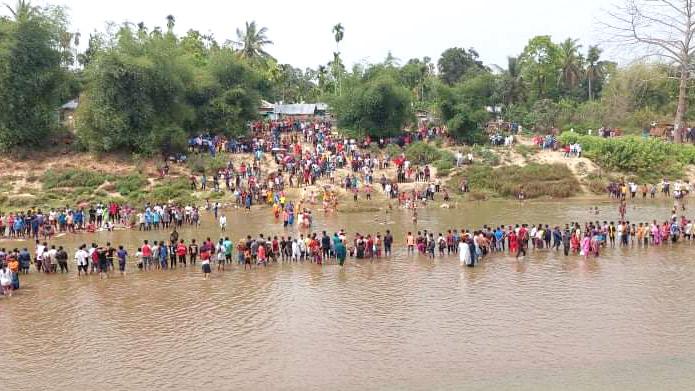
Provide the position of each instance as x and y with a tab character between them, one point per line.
138	256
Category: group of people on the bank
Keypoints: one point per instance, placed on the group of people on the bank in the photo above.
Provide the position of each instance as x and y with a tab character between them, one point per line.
629	189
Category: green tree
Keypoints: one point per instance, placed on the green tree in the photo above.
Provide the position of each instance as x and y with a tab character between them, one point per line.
31	76
171	21
464	106
338	34
378	107
544	114
570	63
595	70
512	83
540	66
456	63
252	42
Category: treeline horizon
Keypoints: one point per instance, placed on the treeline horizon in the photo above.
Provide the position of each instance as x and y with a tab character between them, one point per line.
147	90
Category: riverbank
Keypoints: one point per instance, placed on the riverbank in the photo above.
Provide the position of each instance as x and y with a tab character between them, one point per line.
59	178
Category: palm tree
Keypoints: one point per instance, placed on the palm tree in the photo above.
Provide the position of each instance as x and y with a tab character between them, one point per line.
65	42
513	82
570	63
337	67
594	68
171	20
251	42
322	75
22	11
338	34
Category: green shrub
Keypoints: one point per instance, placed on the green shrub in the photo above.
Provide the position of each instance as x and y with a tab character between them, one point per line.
128	184
443	167
205	163
393	150
52	179
177	190
486	155
422	153
536	180
596	184
648	160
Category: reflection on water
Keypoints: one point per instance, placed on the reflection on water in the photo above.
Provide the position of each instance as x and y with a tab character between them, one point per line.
548	322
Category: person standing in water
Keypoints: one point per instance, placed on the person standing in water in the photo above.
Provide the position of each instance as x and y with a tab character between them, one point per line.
121	254
223	222
340	252
205	262
464	252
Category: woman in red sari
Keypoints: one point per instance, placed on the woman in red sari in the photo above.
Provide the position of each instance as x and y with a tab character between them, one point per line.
513	242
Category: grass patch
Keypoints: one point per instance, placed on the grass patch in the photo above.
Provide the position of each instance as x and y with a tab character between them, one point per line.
536	180
129	184
175	189
52	179
526	150
443	167
206	164
486	155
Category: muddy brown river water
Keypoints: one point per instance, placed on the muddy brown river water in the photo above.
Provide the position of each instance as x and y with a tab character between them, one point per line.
624	321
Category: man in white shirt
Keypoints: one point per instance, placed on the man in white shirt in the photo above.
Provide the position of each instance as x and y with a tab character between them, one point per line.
51	259
38	261
223	222
81	257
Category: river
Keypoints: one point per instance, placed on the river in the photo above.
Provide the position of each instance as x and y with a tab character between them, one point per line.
624	321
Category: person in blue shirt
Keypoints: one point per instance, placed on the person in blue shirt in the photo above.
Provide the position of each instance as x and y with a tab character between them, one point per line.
148	220
499	239
155	219
35	227
675	231
163	252
24	259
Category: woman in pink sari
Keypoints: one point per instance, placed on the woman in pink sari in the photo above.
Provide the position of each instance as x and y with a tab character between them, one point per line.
656	234
586	246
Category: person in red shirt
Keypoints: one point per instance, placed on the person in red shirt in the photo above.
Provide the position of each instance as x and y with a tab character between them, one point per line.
181	251
261	255
146	255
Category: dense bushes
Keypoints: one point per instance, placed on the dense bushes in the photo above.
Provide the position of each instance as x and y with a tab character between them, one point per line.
423	153
648	160
536	180
176	189
72	178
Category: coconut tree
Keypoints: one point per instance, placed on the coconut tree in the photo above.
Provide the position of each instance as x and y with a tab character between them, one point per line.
22	11
338	34
251	42
66	39
513	83
322	76
570	63
171	21
594	68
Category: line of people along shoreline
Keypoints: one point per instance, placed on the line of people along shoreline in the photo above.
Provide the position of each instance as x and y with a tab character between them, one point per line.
471	246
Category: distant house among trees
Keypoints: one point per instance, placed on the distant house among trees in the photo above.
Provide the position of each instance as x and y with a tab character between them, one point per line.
67	114
300	110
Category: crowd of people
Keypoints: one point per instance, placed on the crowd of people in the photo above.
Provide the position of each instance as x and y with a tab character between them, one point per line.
471	246
630	190
35	223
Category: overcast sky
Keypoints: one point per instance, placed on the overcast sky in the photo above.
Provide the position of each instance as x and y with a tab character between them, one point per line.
301	30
